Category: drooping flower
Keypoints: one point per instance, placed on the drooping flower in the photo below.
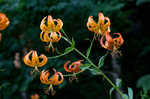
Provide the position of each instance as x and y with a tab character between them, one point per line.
112	44
35	61
54	80
51	32
101	27
74	67
4	22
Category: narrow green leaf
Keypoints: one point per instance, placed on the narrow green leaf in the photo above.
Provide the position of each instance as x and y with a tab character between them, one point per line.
88	52
85	66
110	92
130	93
89	49
73	43
68	49
101	60
95	71
60	54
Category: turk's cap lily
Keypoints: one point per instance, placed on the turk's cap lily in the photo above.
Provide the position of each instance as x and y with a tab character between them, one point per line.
110	43
51	26
74	67
4	22
54	80
35	59
101	27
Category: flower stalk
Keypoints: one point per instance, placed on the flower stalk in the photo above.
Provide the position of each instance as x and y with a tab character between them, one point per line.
92	64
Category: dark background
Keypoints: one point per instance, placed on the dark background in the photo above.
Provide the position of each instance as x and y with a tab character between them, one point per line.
129	17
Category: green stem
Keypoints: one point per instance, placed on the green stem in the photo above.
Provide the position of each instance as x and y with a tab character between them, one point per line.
61	54
64	33
89	49
72	74
117	89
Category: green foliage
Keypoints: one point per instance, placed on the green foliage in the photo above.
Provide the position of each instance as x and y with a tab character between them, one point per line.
85	66
144	83
101	60
119	84
70	48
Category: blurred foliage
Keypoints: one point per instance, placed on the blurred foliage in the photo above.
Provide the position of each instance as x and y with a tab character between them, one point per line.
144	83
127	17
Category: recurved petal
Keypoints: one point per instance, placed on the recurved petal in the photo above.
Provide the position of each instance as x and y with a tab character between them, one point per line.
65	66
101	19
107	25
44	60
58	36
55	77
119	39
59	25
78	63
91	24
35	58
44	37
102	42
75	66
43	27
51	24
44	77
41	36
61	78
55	37
108	38
27	61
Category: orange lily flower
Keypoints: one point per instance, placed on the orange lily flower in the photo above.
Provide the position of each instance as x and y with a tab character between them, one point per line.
112	44
50	33
101	27
4	22
35	62
74	67
44	77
